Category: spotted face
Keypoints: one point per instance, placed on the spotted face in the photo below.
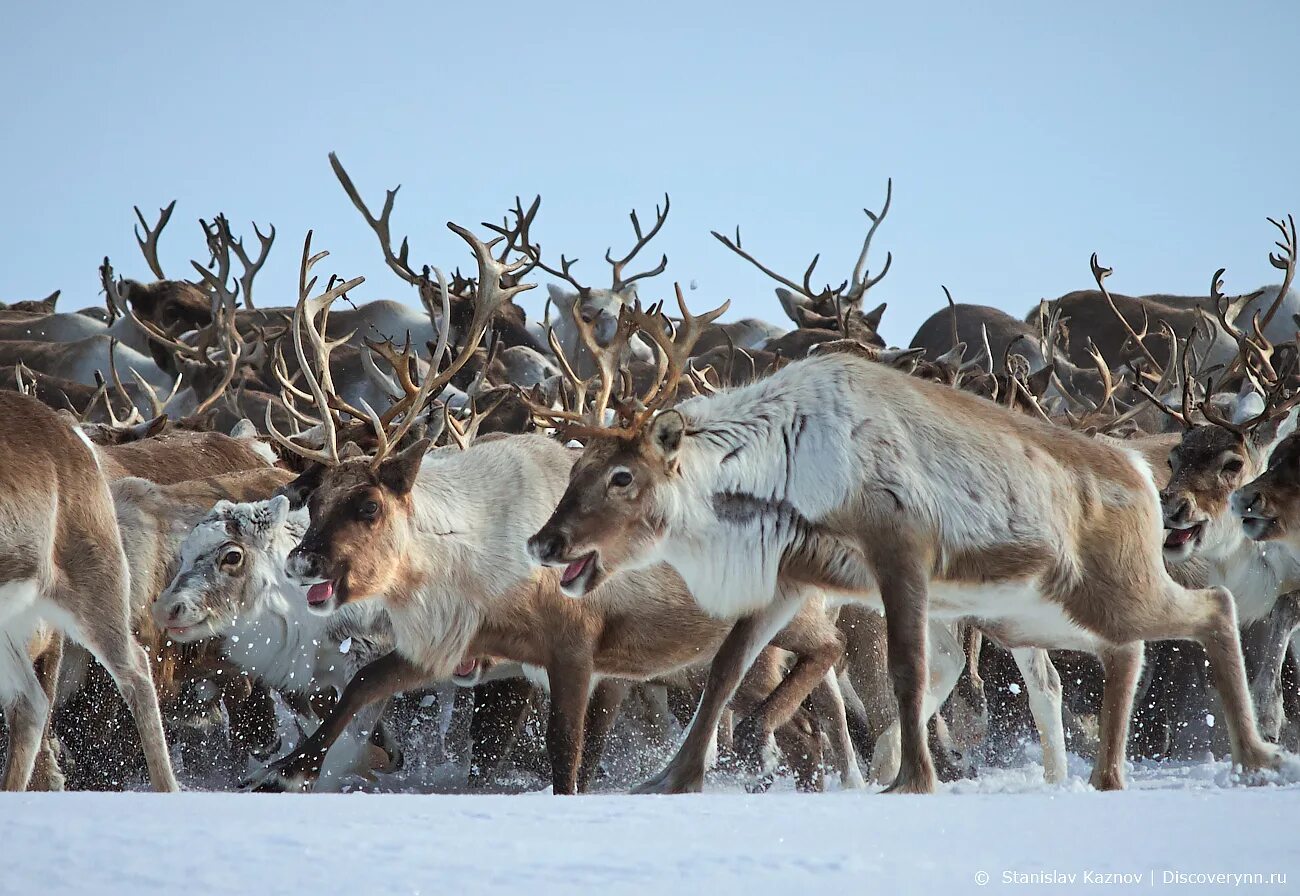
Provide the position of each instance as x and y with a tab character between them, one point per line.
1205	468
1269	506
228	562
608	518
360	529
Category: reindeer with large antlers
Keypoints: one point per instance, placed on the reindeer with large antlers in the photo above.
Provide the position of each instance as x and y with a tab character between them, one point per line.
439	538
841	474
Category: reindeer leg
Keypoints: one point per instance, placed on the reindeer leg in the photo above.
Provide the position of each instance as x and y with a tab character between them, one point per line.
26	709
1266	686
1043	684
828	702
602	712
685	771
107	635
1219	634
298	771
1123	667
818	645
47	775
570	679
904	594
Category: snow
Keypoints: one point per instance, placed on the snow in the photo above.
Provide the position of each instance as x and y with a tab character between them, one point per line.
1191	818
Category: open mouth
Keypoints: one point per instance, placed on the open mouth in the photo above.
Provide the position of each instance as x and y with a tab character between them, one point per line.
577	568
320	593
1180	538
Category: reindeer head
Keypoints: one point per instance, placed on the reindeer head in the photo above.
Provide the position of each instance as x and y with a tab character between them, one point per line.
608	518
229	562
360	527
1269	505
1206	467
361	507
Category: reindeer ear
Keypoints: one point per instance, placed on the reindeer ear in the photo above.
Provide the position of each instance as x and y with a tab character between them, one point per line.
397	473
791	304
300	489
873	316
278	511
666	434
1038	382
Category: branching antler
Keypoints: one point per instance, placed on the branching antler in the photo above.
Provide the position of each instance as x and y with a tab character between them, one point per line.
862	281
852	291
220	238
1100	274
320	384
619	282
149	242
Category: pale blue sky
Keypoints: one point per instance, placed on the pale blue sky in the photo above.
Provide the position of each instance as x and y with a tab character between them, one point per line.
1021	137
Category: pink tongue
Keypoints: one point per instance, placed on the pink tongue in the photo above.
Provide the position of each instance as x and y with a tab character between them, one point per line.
466	667
1180	536
320	592
573	570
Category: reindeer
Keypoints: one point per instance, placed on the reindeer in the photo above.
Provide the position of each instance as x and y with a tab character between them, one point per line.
842	474
229	584
447	557
63	570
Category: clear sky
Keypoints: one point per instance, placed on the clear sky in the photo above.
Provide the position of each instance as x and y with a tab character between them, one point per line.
1021	137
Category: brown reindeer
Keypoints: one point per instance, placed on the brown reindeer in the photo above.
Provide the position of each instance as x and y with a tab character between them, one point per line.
62	567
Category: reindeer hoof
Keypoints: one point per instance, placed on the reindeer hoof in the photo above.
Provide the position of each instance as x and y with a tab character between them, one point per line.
280	777
920	782
1107	779
670	780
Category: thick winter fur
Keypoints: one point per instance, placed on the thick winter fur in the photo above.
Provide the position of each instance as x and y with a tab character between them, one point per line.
62	566
440	539
845	475
154	520
231	585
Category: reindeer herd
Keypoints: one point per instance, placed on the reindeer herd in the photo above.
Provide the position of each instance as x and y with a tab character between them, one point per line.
798	549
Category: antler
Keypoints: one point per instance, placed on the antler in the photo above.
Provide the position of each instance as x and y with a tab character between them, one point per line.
675	349
862	281
149	242
1100	274
491	294
321	383
221	239
851	291
1285	262
804	290
619	282
399	262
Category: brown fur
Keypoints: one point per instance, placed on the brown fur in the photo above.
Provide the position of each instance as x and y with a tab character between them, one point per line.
60	535
360	535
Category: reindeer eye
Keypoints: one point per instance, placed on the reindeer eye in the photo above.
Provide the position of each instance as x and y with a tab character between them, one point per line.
232	557
621	479
369	509
1233	466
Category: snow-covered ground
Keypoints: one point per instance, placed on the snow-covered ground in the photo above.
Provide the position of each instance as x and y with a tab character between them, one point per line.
1190	819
